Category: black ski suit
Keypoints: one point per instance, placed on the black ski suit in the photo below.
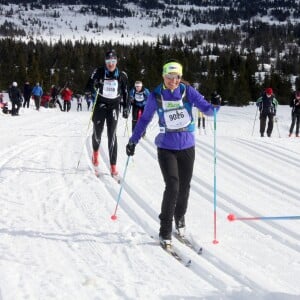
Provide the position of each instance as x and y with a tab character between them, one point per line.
108	88
295	104
15	97
267	108
27	94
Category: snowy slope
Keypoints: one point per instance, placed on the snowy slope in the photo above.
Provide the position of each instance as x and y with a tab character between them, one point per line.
73	25
57	240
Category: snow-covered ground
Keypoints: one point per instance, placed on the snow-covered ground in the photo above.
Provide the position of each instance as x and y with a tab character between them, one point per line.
57	239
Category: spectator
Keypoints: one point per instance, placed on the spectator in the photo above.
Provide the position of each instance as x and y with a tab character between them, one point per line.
66	95
37	93
15	97
27	94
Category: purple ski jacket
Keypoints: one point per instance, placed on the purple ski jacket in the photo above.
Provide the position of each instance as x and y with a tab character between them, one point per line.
171	140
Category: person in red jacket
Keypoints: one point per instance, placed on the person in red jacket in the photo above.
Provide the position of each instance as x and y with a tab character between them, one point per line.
66	95
45	100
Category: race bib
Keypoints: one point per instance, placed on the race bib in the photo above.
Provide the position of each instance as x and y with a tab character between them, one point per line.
110	89
139	97
177	118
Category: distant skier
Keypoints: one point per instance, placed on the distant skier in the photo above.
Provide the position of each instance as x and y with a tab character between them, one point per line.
267	105
79	102
138	98
88	100
295	104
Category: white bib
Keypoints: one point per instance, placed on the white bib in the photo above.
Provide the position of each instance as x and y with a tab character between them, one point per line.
176	115
110	89
139	97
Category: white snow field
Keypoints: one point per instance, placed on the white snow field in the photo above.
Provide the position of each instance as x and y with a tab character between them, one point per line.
58	241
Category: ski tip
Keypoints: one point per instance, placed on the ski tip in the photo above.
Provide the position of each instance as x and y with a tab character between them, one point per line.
188	263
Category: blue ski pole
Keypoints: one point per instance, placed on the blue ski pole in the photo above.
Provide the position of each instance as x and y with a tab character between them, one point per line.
215	241
114	216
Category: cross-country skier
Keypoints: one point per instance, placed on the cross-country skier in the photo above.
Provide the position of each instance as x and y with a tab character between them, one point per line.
267	105
138	97
295	104
109	85
173	101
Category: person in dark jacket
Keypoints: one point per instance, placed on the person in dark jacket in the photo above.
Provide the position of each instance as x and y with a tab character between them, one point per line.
295	104
138	98
173	101
27	94
267	105
54	97
108	85
15	97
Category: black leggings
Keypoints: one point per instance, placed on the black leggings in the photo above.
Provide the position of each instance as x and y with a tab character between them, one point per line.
295	120
67	105
26	101
111	116
177	170
263	121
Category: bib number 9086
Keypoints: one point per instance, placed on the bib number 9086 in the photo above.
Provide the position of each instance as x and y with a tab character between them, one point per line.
176	116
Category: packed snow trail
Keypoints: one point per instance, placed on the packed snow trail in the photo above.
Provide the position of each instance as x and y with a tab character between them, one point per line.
58	240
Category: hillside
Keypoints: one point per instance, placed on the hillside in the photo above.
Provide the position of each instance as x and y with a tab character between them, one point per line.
235	47
116	20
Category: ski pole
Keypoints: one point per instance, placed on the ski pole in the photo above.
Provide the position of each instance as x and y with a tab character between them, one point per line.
87	131
254	121
114	216
126	128
215	241
232	217
276	121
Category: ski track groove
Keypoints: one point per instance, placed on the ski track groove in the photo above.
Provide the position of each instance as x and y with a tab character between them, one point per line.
24	151
247	210
92	240
196	267
261	148
207	195
252	174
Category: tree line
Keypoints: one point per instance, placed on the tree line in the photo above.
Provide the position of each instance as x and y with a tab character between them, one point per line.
233	75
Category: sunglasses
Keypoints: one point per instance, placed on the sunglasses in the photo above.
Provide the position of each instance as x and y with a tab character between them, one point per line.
111	61
173	76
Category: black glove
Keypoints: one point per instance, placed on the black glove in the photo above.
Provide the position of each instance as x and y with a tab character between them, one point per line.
125	113
130	147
